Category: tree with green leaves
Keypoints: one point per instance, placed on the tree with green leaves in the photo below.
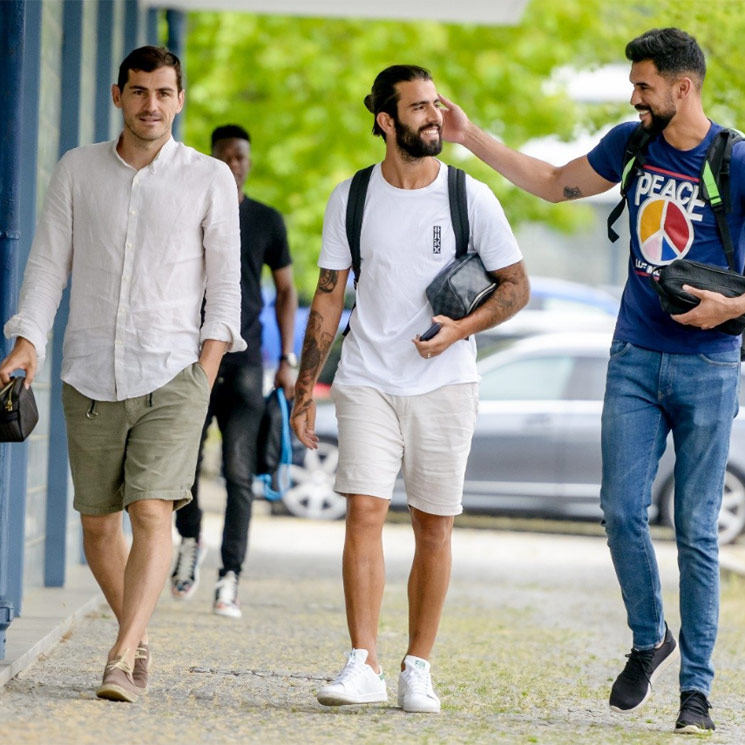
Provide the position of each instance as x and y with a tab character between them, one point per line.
298	84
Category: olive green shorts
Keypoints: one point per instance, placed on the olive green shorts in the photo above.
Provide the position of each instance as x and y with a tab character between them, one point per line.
140	448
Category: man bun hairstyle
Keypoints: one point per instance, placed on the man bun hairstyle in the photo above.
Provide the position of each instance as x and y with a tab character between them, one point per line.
673	52
147	59
230	132
384	96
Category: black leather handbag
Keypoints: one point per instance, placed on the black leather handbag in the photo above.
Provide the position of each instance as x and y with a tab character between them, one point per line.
460	287
18	412
671	278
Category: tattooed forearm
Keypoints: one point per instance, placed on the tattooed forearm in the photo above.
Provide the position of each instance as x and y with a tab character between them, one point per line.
572	192
315	349
328	279
511	295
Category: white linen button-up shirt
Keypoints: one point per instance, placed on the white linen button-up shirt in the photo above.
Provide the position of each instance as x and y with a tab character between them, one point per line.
144	249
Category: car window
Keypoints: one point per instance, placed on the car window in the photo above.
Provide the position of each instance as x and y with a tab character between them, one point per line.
587	382
535	378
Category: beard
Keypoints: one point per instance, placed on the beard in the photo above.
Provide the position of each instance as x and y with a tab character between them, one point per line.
658	119
412	144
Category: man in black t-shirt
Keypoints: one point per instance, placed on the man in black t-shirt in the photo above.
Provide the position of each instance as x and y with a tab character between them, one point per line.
237	400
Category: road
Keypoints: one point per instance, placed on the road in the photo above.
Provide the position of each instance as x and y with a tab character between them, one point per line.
532	637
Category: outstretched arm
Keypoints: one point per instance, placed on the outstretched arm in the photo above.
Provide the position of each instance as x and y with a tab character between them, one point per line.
323	321
574	180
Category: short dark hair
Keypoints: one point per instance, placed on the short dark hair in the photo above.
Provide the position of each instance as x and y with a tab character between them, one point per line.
673	52
384	96
230	132
148	59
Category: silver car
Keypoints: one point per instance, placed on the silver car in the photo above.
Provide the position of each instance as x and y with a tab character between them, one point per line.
536	447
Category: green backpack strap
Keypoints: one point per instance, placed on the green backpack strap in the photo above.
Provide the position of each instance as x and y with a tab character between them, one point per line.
714	184
634	158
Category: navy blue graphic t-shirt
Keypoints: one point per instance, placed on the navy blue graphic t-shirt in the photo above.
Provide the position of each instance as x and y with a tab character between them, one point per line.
669	221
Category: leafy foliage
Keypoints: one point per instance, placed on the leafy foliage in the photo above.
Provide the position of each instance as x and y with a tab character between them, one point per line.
297	84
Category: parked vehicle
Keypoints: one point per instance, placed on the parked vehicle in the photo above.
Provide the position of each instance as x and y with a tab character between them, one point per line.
536	447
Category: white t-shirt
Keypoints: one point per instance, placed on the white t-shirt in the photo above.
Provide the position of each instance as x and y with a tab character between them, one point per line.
407	238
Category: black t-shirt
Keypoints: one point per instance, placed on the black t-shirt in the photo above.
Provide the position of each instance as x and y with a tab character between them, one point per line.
263	241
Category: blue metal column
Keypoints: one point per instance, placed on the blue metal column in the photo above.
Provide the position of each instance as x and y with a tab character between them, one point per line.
105	76
176	38
152	33
131	26
12	18
55	546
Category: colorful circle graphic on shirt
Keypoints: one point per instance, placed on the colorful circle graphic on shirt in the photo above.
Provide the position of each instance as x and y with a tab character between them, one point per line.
665	231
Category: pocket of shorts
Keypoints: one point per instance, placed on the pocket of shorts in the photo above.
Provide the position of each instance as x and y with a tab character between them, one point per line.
201	372
731	358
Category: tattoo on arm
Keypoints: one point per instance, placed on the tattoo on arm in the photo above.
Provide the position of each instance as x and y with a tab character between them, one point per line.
327	280
315	349
572	192
510	296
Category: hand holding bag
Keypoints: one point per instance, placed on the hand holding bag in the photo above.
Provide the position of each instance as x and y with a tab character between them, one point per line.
673	299
18	412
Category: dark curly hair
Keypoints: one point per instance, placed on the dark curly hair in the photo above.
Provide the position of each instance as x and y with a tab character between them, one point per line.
673	52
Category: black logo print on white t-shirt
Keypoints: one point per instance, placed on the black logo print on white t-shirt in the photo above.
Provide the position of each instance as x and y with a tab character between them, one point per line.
436	239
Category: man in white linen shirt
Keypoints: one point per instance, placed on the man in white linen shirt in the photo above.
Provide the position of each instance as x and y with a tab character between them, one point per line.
148	229
401	402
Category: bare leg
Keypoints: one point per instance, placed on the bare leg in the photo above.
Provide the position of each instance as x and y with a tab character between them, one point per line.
145	573
106	551
363	568
429	579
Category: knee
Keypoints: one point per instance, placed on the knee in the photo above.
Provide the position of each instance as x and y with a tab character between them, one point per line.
150	515
101	528
432	532
365	514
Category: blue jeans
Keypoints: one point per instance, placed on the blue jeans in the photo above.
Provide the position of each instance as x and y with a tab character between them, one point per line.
648	395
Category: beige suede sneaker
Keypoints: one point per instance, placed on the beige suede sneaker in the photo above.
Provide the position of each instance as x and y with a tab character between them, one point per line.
143	658
117	684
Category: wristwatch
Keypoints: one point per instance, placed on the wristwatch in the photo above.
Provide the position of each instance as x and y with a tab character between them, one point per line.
290	359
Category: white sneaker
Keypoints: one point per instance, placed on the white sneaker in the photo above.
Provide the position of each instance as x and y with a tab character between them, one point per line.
226	596
185	577
415	692
357	683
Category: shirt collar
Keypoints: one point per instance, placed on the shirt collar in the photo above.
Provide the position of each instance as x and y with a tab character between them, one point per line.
164	154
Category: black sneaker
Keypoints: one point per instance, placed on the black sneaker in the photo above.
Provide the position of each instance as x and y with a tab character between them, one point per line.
693	717
634	684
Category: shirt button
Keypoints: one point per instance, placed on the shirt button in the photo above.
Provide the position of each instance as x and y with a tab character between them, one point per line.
128	244
133	212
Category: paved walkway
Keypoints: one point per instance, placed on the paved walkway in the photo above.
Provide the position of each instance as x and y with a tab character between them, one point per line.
533	634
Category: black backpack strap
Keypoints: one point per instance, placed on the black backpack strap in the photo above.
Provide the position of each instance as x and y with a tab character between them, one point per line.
634	158
459	209
714	183
355	210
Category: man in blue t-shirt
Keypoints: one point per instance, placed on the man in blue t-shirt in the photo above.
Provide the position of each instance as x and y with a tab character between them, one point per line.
665	373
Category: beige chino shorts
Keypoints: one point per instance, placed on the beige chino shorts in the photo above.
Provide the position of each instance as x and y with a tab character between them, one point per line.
140	448
427	437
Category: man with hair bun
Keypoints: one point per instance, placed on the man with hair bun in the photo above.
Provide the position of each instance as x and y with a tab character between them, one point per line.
667	374
401	402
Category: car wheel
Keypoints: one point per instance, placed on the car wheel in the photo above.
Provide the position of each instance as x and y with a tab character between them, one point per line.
732	514
311	493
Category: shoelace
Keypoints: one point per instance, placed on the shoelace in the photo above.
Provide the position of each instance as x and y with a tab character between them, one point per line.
640	662
695	702
141	653
420	681
120	663
187	559
227	588
353	669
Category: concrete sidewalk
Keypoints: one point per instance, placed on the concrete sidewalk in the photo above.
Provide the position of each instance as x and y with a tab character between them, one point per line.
533	635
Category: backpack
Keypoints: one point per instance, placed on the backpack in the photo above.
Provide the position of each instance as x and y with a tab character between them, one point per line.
274	446
714	180
356	207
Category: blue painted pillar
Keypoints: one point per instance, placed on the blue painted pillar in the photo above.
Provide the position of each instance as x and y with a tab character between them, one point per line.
12	19
105	75
152	32
131	26
176	44
55	545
